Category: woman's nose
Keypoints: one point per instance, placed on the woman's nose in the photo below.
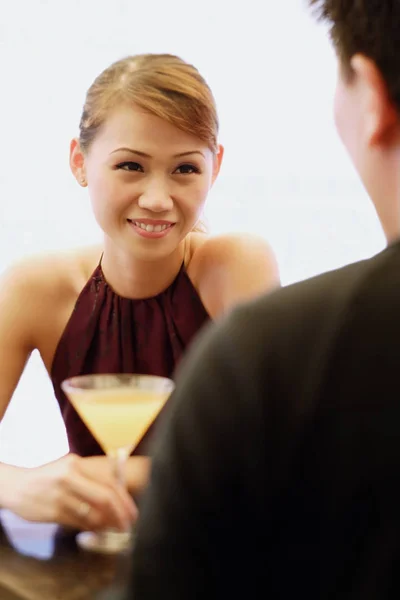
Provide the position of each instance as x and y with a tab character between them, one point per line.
156	198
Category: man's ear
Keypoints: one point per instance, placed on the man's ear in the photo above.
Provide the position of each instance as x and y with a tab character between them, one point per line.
380	114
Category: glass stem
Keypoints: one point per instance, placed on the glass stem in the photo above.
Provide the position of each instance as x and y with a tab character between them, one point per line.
118	460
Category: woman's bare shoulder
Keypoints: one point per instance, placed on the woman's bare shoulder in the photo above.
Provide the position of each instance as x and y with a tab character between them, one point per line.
227	249
232	268
52	273
194	242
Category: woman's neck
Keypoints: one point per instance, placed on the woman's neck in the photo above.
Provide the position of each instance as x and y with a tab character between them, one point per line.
133	278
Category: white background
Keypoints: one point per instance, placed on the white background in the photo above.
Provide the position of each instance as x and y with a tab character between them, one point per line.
285	176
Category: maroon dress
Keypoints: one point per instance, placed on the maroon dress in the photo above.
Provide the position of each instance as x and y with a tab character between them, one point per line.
107	333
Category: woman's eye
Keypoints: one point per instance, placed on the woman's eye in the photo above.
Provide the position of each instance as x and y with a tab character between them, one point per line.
187	169
129	166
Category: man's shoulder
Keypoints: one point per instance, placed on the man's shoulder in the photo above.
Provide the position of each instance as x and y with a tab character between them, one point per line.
304	320
323	295
292	326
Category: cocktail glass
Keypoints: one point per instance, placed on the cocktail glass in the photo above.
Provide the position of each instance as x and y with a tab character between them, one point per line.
118	410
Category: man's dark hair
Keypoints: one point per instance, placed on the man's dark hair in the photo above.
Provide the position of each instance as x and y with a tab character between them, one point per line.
369	27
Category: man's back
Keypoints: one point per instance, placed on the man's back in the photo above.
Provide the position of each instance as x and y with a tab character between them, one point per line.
280	460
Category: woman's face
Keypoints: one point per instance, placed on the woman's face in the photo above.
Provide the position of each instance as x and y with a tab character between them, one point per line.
148	181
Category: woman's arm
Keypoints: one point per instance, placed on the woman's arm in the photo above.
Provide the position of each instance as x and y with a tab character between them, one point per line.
137	474
64	491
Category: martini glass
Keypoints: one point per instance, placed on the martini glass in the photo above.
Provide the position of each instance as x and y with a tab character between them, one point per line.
118	410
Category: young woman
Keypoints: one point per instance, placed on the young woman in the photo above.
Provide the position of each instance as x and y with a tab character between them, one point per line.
148	153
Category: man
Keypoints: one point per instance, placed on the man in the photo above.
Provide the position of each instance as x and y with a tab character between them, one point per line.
278	471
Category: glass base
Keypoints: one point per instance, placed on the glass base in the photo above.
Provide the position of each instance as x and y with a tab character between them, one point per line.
105	542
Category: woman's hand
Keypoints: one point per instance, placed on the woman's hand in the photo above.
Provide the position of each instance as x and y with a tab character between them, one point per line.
137	471
75	492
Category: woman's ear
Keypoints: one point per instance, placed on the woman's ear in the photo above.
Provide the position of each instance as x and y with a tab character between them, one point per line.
77	162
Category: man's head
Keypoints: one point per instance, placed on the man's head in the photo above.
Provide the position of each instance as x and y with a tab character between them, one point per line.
365	35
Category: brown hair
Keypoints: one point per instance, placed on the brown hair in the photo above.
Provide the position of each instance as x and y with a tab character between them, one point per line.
161	84
368	27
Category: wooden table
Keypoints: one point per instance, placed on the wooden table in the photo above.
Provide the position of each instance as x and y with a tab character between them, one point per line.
42	562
